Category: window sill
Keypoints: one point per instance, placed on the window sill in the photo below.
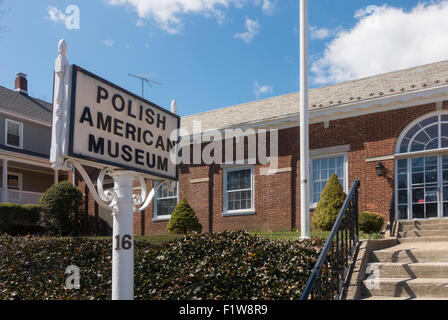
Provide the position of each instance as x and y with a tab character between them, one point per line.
15	147
238	213
161	219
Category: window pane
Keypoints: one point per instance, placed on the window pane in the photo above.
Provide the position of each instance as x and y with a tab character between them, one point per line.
402	212
13	135
403	196
418	211
417	146
404	145
402	166
412	131
165	206
433	131
323	169
422	137
428	121
166	200
239	189
445	130
13	182
433	144
237	180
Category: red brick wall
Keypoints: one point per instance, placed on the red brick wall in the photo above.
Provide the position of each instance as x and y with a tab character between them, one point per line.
277	197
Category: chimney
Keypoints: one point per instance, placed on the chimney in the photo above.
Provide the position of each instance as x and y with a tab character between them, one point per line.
21	83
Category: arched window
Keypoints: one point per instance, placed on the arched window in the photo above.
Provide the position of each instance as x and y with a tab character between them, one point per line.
428	134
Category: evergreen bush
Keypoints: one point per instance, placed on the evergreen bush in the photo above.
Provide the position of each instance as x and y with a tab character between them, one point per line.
370	222
184	219
61	209
329	206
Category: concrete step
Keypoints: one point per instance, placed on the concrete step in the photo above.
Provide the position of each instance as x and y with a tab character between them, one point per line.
402	287
434	226
423	239
423	233
373	298
423	222
408	270
411	255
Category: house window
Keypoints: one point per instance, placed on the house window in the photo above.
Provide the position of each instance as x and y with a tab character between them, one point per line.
322	169
14	133
14	181
165	202
239	191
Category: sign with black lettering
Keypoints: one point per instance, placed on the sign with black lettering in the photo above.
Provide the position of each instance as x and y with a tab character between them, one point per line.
110	126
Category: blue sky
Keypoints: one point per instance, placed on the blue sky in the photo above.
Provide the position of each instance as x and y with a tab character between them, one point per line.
218	53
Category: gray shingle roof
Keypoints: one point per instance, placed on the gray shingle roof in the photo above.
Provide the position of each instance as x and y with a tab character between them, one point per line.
25	105
388	84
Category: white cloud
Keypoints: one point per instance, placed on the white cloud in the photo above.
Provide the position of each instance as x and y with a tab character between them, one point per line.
108	43
168	13
140	23
366	11
390	39
252	29
267	6
56	15
319	34
262	90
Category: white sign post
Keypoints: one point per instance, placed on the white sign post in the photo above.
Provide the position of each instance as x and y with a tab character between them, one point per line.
100	125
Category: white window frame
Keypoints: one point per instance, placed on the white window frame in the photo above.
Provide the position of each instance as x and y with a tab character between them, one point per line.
313	204
20	176
20	124
250	211
163	218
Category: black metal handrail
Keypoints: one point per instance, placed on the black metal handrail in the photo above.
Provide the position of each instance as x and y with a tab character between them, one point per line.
328	276
392	215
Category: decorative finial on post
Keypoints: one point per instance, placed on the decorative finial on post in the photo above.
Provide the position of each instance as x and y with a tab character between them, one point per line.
62	47
174	106
60	106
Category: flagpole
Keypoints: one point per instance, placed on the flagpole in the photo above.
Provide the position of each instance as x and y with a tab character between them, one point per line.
304	134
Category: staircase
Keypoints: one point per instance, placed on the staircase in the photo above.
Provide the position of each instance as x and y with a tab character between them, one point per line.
415	269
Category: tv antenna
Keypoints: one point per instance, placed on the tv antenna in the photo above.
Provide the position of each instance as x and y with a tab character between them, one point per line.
144	79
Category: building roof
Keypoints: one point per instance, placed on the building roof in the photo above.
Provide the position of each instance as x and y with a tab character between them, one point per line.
383	85
23	104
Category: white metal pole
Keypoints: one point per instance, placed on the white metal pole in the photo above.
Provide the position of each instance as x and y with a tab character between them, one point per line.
123	237
304	135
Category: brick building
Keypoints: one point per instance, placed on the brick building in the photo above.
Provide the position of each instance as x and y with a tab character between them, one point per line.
396	122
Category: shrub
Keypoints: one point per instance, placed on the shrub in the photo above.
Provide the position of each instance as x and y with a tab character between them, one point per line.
61	209
370	222
224	266
184	219
16	219
331	201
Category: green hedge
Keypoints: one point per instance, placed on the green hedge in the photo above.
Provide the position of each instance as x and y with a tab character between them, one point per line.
16	219
370	222
229	265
